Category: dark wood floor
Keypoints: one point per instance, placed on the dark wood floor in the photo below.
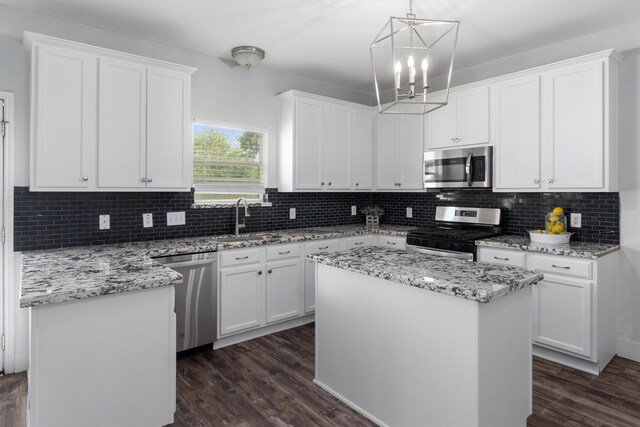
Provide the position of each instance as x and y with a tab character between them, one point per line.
267	381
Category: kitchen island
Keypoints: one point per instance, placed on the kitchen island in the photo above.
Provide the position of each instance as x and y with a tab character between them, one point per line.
413	339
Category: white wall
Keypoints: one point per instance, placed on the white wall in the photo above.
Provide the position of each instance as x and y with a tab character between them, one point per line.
219	93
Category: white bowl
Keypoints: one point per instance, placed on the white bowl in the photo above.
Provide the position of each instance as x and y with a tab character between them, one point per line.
549	239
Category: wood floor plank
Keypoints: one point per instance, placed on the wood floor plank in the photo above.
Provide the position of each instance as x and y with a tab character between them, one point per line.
268	382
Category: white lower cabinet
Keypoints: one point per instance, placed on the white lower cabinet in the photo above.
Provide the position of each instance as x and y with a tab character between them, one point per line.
573	308
283	290
314	247
241	298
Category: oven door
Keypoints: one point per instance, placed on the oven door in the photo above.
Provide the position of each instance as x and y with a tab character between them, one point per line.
466	168
440	252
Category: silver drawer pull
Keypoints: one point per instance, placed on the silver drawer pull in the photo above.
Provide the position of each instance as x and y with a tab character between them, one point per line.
284	253
391	243
560	266
324	247
238	258
359	243
501	259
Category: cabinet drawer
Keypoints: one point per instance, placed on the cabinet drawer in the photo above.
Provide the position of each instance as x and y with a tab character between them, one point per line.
562	265
328	245
283	252
357	241
392	242
240	257
502	257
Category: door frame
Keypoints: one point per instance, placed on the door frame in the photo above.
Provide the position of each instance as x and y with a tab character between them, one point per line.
9	292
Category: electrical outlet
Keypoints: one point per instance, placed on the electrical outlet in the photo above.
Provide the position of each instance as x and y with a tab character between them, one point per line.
354	211
292	213
409	212
576	220
104	222
175	218
147	220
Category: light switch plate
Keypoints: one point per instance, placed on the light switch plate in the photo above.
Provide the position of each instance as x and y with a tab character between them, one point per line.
354	210
292	213
576	220
409	212
175	218
147	220
104	222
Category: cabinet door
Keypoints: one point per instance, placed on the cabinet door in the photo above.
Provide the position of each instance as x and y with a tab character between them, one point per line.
472	116
562	314
284	289
337	151
411	153
241	298
387	151
439	126
169	138
64	128
122	121
516	133
309	141
574	137
361	146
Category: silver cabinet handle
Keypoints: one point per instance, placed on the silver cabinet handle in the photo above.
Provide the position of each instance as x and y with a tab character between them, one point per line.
143	179
284	253
329	182
269	271
260	273
358	243
322	183
399	184
238	258
536	181
392	243
549	181
456	139
501	259
324	247
357	184
560	266
85	178
149	180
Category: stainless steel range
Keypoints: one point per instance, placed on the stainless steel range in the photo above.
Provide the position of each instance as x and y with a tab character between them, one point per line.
455	232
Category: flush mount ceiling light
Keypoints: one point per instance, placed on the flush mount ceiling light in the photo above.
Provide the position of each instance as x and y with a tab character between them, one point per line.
247	56
404	55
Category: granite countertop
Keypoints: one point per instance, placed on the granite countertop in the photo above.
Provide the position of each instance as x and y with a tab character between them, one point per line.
466	279
574	249
57	275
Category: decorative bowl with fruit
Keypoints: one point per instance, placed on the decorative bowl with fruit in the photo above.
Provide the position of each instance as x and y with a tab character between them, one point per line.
555	232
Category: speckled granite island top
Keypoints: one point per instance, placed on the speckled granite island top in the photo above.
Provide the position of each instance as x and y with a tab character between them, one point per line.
58	275
467	279
574	249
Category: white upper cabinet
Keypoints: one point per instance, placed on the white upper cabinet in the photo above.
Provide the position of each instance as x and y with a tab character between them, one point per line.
169	138
104	120
515	116
399	150
63	132
463	121
324	144
123	124
555	127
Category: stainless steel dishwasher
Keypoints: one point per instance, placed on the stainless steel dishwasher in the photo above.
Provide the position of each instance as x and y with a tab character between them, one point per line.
196	298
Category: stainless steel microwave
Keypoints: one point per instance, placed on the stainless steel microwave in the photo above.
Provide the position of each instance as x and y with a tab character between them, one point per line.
458	168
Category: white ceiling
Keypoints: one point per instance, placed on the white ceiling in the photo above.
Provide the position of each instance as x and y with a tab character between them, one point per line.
328	40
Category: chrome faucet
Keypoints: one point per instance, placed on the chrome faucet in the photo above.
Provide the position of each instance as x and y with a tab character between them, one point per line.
246	214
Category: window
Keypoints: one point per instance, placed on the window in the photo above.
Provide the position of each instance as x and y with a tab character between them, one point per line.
228	163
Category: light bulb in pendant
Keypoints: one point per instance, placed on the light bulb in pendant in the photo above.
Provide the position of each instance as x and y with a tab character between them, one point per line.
425	67
398	69
410	62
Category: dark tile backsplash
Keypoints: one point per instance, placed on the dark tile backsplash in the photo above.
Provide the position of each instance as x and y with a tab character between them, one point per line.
62	219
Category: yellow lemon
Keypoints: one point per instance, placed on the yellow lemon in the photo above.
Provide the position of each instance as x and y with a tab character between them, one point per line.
558	210
539	231
557	229
554	217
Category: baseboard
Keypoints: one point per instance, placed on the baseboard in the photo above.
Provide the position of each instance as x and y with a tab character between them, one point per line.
348	403
566	360
628	349
260	332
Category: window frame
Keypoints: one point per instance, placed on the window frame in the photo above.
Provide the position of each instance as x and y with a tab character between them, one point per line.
265	162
